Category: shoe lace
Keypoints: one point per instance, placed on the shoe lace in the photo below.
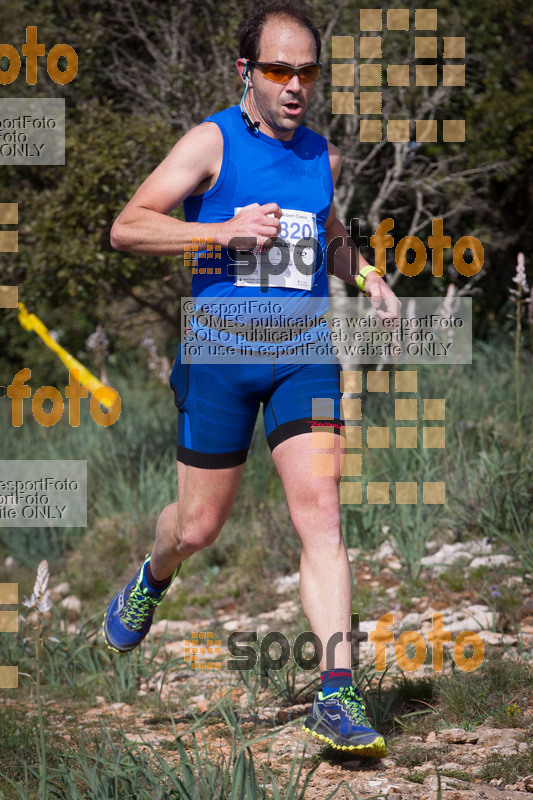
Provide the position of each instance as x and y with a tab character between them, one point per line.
138	608
352	700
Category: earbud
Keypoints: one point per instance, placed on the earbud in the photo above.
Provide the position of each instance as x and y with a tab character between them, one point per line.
252	126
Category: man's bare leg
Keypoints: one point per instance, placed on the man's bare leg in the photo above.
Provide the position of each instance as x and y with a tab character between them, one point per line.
325	578
337	716
206	497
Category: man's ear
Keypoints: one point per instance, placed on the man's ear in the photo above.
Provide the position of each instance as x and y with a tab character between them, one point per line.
243	69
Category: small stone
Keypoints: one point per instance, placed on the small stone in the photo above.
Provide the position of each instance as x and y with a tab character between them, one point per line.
325	770
9	563
60	590
172	627
386	550
73	606
497	639
458	736
528	783
287	583
200	702
431	737
353	553
494	560
500	737
287	714
241	624
175	649
394	564
411	621
527	607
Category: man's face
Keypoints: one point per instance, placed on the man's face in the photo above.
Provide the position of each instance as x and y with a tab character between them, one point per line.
281	108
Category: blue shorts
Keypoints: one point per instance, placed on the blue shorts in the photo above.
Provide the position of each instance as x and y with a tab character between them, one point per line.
218	406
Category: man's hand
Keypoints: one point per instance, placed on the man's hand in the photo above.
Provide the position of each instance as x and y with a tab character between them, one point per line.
260	223
382	297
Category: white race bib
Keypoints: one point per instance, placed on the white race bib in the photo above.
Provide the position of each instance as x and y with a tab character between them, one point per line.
290	262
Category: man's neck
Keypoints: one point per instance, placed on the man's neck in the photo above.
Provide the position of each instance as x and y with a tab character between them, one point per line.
255	120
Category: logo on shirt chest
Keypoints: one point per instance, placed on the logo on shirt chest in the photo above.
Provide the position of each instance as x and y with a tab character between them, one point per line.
300	172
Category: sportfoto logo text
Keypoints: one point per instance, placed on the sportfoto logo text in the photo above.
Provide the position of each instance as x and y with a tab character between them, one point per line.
246	656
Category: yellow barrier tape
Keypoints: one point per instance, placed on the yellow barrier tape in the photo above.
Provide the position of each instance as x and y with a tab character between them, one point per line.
32	323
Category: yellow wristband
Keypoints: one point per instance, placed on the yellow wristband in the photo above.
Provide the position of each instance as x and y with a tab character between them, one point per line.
360	279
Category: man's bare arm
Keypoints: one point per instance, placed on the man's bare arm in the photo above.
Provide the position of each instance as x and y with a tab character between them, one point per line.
144	225
340	257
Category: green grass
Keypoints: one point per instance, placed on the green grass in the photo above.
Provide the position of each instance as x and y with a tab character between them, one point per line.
459	774
105	764
410	757
18	743
507	768
417	777
487	693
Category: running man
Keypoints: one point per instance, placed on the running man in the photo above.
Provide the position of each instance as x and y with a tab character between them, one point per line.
247	175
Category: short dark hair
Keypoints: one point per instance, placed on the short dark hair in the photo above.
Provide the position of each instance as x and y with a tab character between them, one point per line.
252	27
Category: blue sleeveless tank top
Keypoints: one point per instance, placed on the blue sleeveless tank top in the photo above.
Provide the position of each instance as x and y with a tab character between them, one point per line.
257	168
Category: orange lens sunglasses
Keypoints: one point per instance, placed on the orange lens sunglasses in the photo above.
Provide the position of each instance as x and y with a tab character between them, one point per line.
282	73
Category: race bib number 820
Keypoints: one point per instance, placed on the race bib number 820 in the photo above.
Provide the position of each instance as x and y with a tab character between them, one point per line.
291	262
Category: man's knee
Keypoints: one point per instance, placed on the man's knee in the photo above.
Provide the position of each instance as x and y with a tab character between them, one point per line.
317	510
189	530
197	530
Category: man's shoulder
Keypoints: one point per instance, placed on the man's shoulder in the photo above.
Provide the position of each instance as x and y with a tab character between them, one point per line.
211	130
206	134
226	115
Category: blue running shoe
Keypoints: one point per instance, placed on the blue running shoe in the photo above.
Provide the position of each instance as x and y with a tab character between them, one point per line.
340	720
129	615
